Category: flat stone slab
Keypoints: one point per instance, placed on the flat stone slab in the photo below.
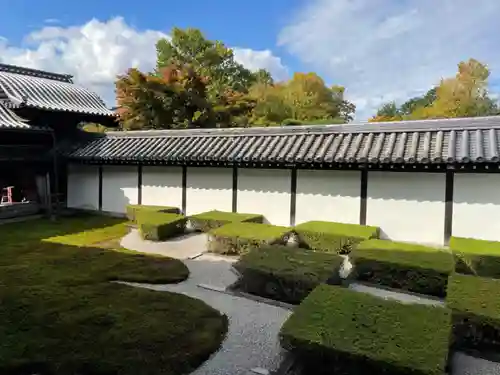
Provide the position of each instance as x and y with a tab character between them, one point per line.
463	364
183	247
398	296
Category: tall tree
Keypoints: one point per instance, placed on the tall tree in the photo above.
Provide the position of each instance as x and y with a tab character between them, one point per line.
464	95
211	59
303	99
173	98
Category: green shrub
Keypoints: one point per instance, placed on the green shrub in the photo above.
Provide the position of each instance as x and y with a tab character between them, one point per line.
207	221
475	302
286	274
333	237
159	226
415	268
339	331
476	257
133	209
239	238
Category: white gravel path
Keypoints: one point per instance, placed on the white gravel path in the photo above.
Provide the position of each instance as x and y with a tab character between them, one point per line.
252	339
183	247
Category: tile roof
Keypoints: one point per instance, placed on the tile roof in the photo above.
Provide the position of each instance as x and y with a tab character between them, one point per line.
50	91
9	120
413	142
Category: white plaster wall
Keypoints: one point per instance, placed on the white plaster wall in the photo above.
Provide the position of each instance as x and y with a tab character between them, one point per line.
407	206
162	186
209	189
266	192
83	186
119	187
328	196
476	206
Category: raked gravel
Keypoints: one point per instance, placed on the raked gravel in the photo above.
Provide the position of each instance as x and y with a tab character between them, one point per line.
252	339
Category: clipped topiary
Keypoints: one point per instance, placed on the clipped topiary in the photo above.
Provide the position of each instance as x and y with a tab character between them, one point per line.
476	257
285	273
207	221
410	267
239	238
159	226
340	331
475	302
333	237
134	209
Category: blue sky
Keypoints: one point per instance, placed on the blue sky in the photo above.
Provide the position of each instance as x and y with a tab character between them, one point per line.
379	49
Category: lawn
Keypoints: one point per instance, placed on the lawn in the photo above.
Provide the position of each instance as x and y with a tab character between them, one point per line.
62	315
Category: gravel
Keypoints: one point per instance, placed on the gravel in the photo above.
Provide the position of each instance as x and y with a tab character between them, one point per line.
463	364
183	247
252	340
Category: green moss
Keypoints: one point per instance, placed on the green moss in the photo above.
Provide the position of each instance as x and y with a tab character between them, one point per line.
415	268
60	293
476	257
134	209
475	302
333	237
342	331
159	226
286	274
239	238
207	221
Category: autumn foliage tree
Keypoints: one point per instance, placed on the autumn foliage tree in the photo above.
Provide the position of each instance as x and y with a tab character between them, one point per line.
464	95
198	83
174	97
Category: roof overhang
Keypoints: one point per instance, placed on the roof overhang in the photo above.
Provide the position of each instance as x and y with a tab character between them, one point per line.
431	144
51	94
10	121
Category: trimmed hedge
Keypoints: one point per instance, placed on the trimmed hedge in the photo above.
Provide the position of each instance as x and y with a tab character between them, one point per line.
333	237
475	302
133	209
207	221
239	238
286	274
410	267
339	331
159	226
476	257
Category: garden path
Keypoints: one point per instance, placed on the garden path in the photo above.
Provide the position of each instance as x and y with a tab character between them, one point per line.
252	339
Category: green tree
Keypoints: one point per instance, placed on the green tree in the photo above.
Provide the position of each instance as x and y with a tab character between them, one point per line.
210	59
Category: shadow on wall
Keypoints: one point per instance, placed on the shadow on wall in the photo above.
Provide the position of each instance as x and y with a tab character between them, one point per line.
264	180
209	178
407	186
476	188
329	183
119	188
155	176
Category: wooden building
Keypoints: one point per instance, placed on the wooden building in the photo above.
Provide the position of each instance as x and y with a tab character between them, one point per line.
38	111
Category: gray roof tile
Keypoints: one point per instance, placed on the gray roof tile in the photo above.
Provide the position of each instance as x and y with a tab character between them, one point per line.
50	91
423	142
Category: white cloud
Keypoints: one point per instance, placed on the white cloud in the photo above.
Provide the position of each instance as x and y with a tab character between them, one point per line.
391	49
255	60
96	52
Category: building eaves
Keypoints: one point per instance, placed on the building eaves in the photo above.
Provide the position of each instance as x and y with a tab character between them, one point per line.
420	142
50	94
9	120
